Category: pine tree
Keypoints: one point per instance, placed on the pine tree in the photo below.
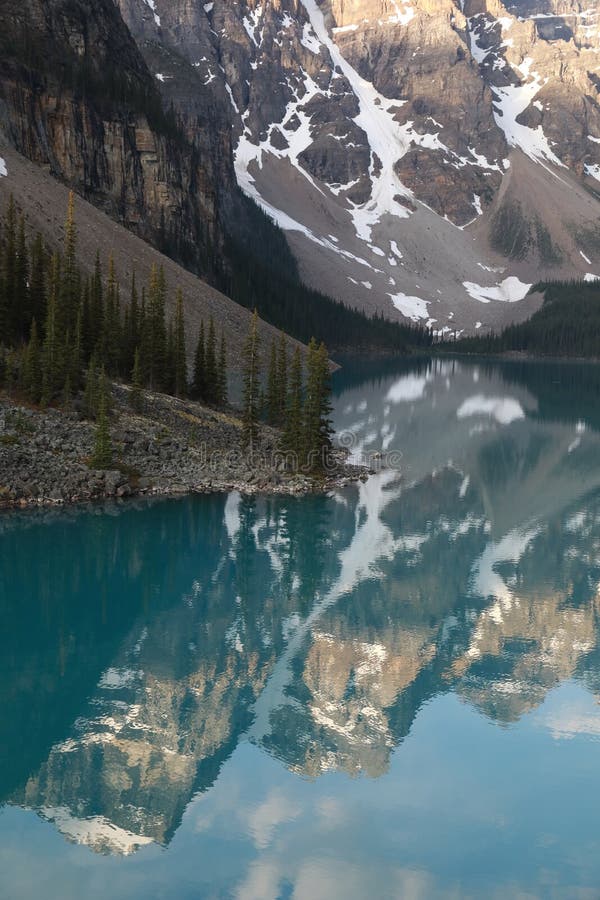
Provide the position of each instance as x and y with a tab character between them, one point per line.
317	426
67	394
83	327
75	354
199	381
210	365
7	291
282	376
111	331
251	391
222	373
21	309
293	433
97	303
136	395
37	280
272	398
325	407
32	375
54	349
145	341
180	357
168	373
70	281
87	337
156	332
131	331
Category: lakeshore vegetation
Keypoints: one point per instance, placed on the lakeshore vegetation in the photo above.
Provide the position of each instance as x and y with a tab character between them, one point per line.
65	335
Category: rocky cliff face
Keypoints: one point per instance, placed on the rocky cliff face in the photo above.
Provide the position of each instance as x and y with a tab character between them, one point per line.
76	96
415	152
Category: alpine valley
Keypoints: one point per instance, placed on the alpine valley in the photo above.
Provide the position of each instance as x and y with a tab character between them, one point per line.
427	160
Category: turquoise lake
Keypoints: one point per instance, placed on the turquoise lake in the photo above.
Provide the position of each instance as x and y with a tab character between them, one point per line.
389	692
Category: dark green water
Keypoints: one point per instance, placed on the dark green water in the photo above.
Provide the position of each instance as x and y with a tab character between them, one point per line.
391	692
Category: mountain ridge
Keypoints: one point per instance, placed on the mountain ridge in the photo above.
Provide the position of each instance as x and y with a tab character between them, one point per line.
371	131
427	160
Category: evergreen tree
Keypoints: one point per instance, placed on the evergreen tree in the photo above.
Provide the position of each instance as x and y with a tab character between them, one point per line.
211	378
317	426
87	337
70	281
179	349
282	365
97	303
37	280
53	352
32	374
199	380
111	332
9	264
131	330
75	354
156	332
145	341
222	373
325	406
21	318
251	391
168	373
136	395
83	326
293	433
272	397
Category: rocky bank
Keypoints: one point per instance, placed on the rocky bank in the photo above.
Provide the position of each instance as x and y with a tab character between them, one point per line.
169	447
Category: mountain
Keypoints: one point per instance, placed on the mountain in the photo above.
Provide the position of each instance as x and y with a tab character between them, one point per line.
427	160
430	159
78	100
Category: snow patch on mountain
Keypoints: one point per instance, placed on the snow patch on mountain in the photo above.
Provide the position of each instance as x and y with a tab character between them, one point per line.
152	6
3	169
387	140
509	291
593	170
412	307
513	100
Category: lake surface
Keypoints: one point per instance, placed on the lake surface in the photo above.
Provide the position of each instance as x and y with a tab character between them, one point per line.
390	692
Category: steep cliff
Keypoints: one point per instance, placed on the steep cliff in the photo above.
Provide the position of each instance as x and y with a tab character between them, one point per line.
76	96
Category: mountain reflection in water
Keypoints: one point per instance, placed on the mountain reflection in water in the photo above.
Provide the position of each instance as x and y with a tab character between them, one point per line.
145	643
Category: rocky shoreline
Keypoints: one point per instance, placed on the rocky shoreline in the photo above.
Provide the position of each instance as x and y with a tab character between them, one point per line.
169	447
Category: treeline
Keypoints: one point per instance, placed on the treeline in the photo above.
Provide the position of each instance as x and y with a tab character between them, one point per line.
64	335
567	324
63	332
263	274
296	399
